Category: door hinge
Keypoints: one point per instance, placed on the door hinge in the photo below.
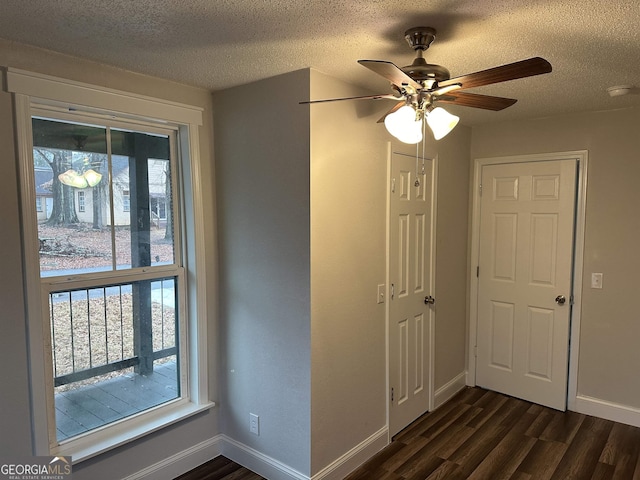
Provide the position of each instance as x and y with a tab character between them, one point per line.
478	271
393	185
393	291
571	299
475	351
480	190
392	394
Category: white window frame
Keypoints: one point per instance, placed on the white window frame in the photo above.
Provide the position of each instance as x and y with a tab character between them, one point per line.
33	90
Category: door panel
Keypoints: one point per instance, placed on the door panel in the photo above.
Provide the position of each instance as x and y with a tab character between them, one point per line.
540	343
544	234
502	321
410	274
525	260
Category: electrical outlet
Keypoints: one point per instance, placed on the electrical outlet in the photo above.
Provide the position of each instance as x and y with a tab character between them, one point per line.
254	424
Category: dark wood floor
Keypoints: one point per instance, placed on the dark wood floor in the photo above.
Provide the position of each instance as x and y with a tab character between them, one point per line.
220	468
488	436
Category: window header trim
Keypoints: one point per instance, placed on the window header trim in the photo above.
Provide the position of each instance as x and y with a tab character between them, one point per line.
91	98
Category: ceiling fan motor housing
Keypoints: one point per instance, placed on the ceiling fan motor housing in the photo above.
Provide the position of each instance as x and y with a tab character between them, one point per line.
419	38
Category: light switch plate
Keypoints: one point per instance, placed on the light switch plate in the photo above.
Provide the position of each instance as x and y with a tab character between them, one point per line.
380	293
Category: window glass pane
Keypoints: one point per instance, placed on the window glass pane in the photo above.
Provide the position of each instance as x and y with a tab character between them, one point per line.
115	352
77	228
142	199
72	197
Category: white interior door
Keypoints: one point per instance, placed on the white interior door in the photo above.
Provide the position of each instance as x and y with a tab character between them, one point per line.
411	281
524	286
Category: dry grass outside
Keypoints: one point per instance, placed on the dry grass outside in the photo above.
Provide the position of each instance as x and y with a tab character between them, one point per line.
95	332
81	246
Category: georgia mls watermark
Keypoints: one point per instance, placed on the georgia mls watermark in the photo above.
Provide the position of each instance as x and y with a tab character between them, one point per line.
35	468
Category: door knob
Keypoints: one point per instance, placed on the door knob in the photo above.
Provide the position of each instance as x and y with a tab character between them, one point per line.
429	300
560	299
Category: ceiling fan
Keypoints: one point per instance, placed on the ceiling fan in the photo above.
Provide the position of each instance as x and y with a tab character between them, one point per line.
419	87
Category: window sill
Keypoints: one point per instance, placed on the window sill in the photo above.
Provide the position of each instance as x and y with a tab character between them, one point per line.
96	442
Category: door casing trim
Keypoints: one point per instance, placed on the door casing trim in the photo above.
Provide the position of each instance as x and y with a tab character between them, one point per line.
581	157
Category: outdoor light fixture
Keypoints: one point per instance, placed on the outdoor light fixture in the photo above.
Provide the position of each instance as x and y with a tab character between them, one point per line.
406	123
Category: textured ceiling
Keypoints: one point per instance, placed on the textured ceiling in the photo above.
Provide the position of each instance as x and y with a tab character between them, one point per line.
217	44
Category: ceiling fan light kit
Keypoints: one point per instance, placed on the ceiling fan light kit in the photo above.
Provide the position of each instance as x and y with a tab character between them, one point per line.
441	122
405	125
419	87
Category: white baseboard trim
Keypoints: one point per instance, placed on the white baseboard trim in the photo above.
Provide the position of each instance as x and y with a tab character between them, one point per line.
355	457
181	462
258	462
262	464
607	410
274	470
447	391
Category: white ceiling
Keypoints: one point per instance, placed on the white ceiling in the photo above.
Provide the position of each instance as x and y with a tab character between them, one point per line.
217	44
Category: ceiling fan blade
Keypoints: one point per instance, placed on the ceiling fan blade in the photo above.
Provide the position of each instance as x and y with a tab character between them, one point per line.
477	101
364	97
392	73
395	107
511	71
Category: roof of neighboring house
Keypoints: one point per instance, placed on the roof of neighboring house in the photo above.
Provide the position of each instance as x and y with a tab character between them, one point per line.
43	180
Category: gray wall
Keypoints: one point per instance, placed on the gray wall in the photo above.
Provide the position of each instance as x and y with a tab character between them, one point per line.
15	425
609	354
262	161
14	395
348	222
451	257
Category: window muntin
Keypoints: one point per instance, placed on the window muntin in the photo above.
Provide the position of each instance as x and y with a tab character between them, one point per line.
111	279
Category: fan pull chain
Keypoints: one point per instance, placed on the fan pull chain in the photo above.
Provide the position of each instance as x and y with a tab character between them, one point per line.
424	132
417	182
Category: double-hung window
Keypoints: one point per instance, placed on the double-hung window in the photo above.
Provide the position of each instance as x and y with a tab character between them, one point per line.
118	347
